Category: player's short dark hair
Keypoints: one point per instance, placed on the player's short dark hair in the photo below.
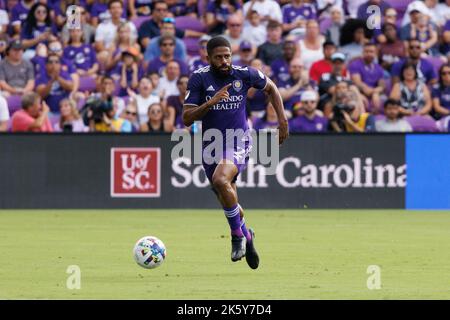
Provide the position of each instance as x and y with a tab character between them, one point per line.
111	2
216	42
391	102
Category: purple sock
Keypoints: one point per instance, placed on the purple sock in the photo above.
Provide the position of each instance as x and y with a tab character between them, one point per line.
245	231
234	220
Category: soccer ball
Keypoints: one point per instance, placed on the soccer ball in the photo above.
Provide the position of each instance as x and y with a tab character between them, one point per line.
149	252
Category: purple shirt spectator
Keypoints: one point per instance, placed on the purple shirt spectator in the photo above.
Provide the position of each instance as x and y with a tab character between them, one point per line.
443	94
39	65
425	70
370	73
305	124
258	102
307	11
116	72
57	93
280	70
82	57
156	65
19	13
175	102
100	10
362	10
35	32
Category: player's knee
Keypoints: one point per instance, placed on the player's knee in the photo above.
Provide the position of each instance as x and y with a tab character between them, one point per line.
220	183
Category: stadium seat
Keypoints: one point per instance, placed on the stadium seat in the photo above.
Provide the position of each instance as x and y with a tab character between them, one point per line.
14	103
201	6
400	6
422	124
139	21
87	84
191	24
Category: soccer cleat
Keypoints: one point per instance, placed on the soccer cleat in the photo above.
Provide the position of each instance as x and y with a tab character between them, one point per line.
251	255
237	248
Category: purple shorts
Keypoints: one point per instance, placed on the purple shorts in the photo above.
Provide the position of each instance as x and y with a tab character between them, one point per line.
239	156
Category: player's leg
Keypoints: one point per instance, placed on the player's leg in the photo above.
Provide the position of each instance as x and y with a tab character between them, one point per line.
251	255
222	180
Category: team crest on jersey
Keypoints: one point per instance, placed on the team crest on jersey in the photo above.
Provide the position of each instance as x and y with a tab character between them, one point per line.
237	85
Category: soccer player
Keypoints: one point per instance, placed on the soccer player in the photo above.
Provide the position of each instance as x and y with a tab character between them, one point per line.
216	95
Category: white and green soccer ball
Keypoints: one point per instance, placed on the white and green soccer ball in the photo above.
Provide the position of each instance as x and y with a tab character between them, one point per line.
149	252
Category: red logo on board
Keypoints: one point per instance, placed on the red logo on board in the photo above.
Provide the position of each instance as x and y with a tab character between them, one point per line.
135	172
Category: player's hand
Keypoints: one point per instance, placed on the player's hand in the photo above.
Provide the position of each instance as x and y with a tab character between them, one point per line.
283	131
221	94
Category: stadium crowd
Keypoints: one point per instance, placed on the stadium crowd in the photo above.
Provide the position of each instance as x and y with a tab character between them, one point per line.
123	66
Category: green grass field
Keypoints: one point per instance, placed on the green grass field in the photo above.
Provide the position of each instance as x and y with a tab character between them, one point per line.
305	254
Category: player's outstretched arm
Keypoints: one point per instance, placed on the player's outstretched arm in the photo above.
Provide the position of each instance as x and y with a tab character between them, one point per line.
193	113
276	101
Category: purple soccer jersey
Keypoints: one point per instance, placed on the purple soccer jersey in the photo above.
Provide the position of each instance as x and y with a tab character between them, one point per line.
228	114
370	73
83	57
306	11
19	13
197	63
57	93
305	124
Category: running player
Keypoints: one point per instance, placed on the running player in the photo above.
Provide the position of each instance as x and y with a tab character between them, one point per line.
216	95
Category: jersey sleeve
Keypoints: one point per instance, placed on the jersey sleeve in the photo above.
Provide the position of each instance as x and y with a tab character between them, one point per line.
257	79
194	90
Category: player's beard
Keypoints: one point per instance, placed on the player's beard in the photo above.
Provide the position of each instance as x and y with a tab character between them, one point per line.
220	71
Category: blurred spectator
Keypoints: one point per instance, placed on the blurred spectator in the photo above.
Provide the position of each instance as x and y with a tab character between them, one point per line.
268	122
4	21
353	6
16	74
106	32
329	80
123	42
3	45
307	118
201	60
167	47
106	93
364	13
101	11
155	121
111	122
4	114
139	8
33	117
174	107
325	65
37	28
392	48
130	72
87	29
69	119
82	56
54	84
153	49
280	67
389	17
353	38
333	33
255	31
292	89
392	122
267	10
311	45
152	28
257	99
272	49
442	11
423	32
130	114
297	13
234	33
349	114
425	69
168	82
145	98
412	93
367	75
445	45
245	54
415	11
217	13
441	92
19	14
